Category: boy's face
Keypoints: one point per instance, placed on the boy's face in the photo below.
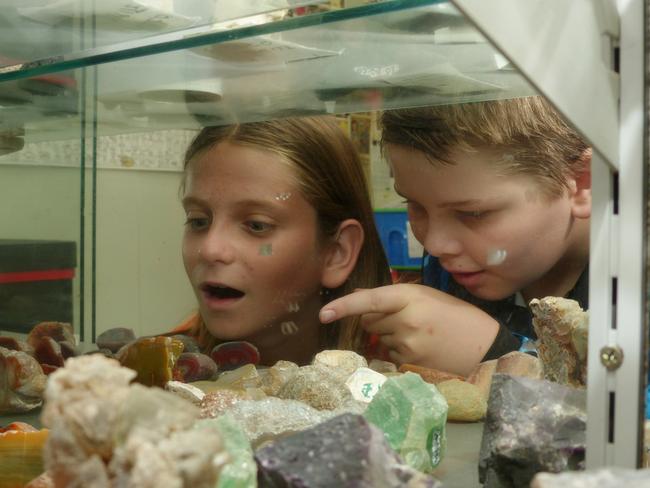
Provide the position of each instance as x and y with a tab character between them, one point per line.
250	245
496	234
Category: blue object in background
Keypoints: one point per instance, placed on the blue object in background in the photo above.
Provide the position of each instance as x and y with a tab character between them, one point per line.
391	225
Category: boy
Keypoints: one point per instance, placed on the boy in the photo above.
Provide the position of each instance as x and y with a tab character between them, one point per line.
499	195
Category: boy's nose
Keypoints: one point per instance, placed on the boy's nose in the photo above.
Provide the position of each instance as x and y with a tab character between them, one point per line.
438	242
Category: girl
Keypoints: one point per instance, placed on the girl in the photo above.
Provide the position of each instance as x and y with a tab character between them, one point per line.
279	222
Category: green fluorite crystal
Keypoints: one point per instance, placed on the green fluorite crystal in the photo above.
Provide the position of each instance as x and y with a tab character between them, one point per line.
241	470
412	415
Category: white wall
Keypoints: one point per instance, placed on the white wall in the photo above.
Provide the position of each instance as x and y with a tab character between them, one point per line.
141	282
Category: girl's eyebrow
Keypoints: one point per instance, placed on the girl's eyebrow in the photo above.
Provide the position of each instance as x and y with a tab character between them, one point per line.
249	202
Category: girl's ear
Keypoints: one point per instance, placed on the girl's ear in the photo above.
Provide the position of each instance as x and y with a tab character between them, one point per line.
341	254
581	190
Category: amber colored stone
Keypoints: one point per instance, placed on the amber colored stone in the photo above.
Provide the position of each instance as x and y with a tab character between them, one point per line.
21	457
152	358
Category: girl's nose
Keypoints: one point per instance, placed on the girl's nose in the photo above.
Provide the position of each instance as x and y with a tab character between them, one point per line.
216	246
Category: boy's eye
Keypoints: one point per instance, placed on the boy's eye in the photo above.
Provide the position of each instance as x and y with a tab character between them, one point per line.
472	214
258	227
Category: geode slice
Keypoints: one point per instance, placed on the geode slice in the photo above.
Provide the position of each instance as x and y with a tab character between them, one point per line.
344	451
531	426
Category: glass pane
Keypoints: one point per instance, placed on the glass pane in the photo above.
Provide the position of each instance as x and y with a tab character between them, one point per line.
37	30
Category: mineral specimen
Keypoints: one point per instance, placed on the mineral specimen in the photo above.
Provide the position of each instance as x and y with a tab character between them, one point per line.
340	363
194	366
344	451
433	376
465	400
114	339
600	478
561	326
364	383
318	387
21	458
412	415
241	470
107	433
531	426
152	358
271	418
234	354
189	392
274	378
22	382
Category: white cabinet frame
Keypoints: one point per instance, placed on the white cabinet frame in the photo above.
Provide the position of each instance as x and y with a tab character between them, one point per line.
571	52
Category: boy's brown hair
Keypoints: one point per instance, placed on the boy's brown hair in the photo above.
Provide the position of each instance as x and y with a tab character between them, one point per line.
533	138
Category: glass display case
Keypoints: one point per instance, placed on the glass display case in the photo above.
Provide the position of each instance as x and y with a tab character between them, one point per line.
97	105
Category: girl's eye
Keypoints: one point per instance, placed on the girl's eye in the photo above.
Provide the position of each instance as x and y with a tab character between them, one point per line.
258	227
197	223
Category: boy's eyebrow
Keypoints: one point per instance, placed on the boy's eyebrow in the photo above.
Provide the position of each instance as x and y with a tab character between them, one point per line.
457	203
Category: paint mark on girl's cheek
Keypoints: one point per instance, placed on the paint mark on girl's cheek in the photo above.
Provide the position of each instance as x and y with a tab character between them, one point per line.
266	250
283	197
496	257
289	327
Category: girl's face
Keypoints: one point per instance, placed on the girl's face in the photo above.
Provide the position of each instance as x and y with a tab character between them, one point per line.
250	245
495	234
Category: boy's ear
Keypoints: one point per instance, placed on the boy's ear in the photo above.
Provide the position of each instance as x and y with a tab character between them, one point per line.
341	255
581	191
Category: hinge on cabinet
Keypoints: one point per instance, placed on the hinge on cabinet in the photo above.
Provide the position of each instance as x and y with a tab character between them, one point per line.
616	59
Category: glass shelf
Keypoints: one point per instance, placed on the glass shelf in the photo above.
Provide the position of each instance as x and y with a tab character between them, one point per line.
339	61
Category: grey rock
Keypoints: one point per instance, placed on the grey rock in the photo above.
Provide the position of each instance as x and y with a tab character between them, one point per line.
531	426
345	451
113	339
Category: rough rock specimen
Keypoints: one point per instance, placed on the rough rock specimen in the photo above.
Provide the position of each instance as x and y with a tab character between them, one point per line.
217	402
531	426
272	418
382	366
412	415
601	478
340	363
15	345
105	432
274	378
465	400
114	339
22	382
514	363
561	327
21	459
318	387
152	358
344	451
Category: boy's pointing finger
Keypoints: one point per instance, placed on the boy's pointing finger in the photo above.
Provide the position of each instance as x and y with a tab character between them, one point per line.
377	300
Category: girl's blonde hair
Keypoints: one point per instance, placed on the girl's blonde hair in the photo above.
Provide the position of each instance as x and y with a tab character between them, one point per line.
331	179
533	138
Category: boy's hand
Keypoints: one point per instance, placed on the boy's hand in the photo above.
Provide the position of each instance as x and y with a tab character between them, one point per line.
420	325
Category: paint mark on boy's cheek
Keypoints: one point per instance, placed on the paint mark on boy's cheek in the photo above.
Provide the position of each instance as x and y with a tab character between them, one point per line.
266	250
496	257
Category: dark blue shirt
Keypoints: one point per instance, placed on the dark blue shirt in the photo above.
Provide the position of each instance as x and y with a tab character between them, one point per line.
515	321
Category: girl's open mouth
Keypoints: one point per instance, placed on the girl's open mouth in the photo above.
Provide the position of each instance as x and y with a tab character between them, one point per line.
218	295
